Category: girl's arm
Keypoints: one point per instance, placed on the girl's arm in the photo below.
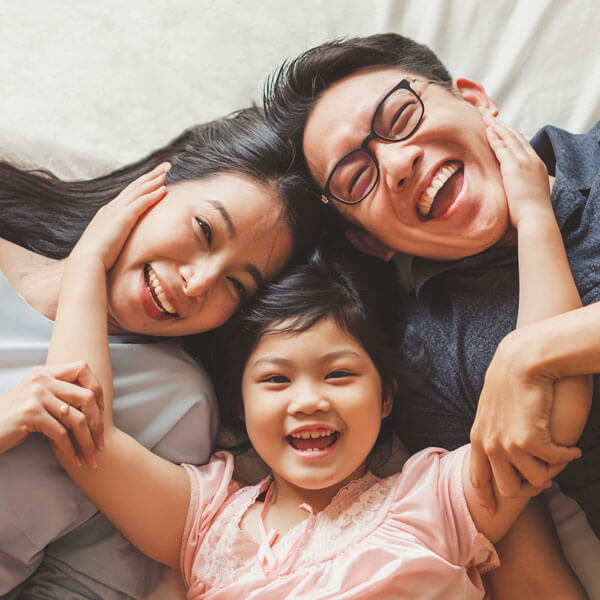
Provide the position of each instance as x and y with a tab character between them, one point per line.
546	289
145	496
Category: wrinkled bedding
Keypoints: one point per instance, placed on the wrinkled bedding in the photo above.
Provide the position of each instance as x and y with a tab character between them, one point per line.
87	87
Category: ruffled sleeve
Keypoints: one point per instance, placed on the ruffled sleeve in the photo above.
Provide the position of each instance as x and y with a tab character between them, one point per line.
434	507
210	486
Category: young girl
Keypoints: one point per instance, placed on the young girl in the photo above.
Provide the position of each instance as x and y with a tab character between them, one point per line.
316	380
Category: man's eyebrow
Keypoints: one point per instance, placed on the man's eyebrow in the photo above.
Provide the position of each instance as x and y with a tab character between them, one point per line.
226	216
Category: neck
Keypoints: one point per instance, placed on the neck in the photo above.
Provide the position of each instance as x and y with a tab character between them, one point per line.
288	494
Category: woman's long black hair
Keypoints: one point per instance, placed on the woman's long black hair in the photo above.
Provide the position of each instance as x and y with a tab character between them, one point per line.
48	215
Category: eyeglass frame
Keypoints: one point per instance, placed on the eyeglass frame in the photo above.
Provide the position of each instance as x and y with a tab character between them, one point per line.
373	135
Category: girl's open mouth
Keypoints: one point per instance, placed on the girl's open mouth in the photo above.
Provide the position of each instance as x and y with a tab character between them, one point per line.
308	442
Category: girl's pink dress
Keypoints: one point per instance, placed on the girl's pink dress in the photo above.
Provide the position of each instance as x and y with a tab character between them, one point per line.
406	536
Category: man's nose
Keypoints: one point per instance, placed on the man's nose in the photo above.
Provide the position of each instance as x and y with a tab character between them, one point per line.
199	277
397	162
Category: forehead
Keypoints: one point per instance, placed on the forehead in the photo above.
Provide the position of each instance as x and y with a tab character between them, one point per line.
276	340
341	117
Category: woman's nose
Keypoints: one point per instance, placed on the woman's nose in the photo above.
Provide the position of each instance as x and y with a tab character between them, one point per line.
397	162
198	278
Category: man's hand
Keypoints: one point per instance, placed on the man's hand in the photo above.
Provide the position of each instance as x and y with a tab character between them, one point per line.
511	438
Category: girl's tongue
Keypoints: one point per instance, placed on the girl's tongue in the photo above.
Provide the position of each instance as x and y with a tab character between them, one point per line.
318	443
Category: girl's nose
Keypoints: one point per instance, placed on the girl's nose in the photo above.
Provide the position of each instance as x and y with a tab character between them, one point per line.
308	400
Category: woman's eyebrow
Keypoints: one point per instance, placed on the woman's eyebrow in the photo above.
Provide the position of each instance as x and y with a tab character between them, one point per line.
258	277
231	230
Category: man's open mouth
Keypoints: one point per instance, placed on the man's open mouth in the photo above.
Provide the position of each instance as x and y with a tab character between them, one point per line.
442	191
156	292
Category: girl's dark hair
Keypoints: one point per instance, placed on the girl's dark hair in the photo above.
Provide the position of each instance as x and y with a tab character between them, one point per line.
358	295
47	215
291	92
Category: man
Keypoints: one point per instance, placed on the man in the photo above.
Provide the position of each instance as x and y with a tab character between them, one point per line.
400	150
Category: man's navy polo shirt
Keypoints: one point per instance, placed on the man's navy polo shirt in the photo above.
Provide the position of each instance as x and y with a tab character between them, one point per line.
462	309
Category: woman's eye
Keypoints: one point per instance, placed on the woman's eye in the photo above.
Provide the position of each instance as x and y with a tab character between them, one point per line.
276	379
240	290
206	230
338	373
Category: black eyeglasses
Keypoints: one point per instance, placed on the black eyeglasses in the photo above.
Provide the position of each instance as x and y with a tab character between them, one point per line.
396	118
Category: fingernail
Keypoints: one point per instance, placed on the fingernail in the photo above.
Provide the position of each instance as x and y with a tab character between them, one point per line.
93	462
101	442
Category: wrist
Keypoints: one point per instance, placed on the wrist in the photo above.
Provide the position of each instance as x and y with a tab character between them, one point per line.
536	219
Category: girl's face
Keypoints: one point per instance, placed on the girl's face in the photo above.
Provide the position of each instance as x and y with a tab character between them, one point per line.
197	255
313	405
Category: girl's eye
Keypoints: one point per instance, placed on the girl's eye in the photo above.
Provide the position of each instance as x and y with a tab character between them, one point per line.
337	374
276	379
240	290
206	230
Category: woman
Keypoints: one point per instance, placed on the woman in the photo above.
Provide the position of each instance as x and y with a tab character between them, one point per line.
224	223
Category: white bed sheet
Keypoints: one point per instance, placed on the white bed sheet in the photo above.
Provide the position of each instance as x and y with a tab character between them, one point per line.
90	86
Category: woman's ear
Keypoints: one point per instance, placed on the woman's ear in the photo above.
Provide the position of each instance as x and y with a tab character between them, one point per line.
474	94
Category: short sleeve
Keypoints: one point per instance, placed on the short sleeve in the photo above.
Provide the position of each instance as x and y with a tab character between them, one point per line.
433	504
210	486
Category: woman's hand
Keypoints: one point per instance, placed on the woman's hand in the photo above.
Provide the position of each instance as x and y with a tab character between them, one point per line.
107	232
511	435
64	402
524	175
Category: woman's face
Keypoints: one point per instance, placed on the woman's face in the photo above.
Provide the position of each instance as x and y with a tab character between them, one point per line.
194	258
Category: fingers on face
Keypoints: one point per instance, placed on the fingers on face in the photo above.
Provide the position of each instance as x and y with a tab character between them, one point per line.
504	138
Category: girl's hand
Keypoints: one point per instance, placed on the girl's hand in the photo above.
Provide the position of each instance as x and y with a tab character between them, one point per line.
108	231
64	402
524	174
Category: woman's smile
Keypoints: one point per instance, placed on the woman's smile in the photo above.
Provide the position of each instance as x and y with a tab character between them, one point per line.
197	255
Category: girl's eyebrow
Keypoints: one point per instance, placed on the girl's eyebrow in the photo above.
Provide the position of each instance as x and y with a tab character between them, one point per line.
277	360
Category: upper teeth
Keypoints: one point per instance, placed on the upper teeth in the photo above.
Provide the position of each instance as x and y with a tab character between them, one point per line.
425	202
305	435
162	299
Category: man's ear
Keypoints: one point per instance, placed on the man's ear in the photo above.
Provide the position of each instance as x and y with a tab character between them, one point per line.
365	242
388	404
474	94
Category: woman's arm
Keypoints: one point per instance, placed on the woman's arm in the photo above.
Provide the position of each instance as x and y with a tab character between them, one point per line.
546	289
145	496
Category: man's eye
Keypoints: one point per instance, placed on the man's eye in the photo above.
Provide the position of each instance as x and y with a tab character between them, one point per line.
240	290
206	230
338	373
276	379
401	119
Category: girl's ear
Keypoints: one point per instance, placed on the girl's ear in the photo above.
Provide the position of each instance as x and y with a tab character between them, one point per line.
387	405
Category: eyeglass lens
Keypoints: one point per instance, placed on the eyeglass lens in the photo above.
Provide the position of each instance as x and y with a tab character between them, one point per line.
395	119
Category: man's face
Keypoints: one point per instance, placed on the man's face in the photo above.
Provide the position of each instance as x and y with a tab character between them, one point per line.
469	212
